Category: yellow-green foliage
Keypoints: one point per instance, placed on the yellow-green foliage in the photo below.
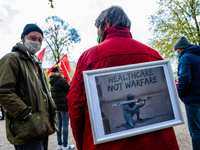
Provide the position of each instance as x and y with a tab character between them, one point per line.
174	19
47	78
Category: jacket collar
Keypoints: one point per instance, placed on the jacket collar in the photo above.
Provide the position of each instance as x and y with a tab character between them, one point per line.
55	74
116	31
194	49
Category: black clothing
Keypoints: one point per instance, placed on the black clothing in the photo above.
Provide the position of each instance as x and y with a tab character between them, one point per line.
188	75
59	91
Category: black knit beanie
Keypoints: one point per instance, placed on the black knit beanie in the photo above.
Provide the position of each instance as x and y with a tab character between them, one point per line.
181	43
55	69
29	28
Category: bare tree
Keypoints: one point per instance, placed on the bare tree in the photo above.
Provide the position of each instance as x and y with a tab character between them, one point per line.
59	37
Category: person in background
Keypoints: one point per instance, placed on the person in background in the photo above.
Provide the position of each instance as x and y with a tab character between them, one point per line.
189	85
30	112
59	91
116	48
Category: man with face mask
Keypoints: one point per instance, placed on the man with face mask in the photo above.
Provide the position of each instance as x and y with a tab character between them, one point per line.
189	85
24	94
116	48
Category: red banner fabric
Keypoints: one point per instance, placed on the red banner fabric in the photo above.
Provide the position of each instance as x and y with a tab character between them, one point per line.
49	71
65	71
65	67
41	54
65	60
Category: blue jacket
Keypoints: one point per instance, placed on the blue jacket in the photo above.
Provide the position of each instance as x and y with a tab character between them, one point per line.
189	75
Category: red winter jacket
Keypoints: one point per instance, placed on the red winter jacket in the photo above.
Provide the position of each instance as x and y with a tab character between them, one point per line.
117	48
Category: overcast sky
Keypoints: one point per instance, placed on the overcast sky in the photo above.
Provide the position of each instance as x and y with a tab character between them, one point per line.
80	14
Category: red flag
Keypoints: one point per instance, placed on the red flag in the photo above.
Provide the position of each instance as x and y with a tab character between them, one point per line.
65	71
41	54
49	71
64	65
66	62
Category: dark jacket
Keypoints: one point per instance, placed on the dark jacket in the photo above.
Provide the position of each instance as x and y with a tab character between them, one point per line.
189	75
20	88
59	91
117	49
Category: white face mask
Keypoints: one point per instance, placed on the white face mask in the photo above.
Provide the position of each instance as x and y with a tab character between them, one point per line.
32	46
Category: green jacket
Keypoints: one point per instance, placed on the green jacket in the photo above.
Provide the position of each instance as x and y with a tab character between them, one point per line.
23	89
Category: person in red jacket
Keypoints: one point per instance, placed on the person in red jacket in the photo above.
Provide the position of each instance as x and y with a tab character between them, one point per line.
116	48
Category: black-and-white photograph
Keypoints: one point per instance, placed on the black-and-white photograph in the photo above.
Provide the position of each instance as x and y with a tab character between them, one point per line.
133	99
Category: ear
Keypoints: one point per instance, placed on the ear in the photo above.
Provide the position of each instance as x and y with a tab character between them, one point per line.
23	39
107	25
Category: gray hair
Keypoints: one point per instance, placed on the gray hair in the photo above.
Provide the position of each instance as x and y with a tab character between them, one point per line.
115	15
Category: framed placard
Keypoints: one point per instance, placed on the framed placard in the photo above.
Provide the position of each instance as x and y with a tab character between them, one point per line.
130	100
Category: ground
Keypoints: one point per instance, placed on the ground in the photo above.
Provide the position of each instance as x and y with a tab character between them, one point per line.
181	131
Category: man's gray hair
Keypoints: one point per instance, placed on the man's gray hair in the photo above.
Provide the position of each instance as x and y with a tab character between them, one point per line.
115	15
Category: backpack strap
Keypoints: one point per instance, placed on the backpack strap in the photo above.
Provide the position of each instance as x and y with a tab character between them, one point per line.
149	53
100	56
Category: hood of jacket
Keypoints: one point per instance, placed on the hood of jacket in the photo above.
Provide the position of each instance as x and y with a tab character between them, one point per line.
194	49
116	32
112	42
54	76
24	53
19	47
